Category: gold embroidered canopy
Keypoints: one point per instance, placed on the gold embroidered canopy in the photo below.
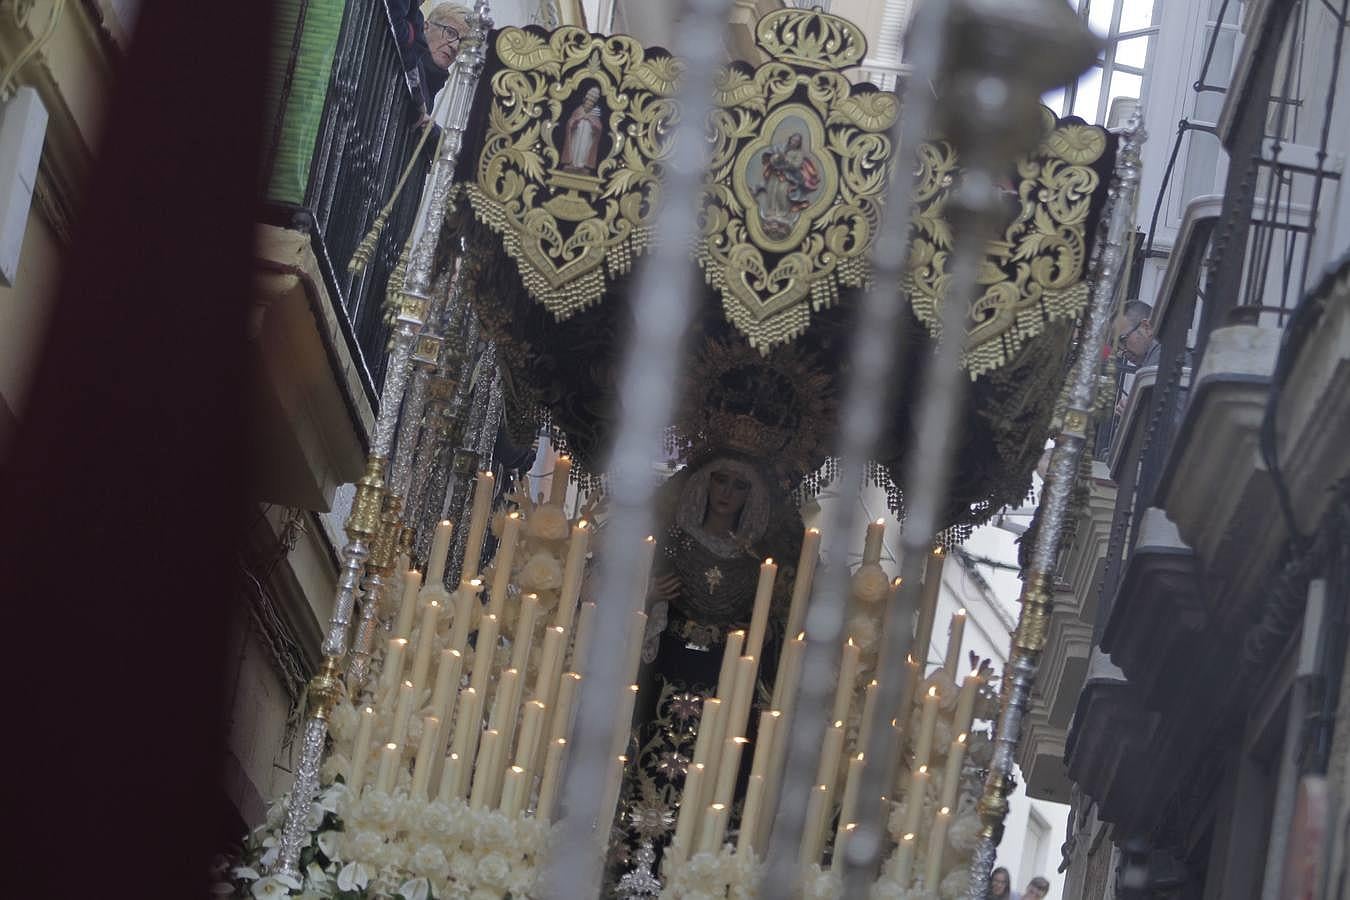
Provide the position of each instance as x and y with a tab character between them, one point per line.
569	177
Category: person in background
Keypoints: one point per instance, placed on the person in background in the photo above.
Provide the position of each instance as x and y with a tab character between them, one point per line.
1037	888
1000	885
1134	334
429	45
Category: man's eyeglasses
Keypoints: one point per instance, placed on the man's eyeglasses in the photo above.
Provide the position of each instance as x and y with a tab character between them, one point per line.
1121	341
449	32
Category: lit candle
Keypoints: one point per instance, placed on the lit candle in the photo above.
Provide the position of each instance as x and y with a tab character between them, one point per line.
361	751
707	725
759	617
848	673
923	747
465	744
573	570
548	786
954	636
801	584
506	554
918	783
412	584
390	755
582	647
951	776
450	778
728	770
557	487
426	642
913	675
561	724
754	800
484	651
392	673
841	843
686	825
712	728
464	600
513	791
764	738
726	678
937	842
714	828
904	859
485	770
402	712
637	635
848	805
440	549
831	750
746	668
788	669
965	703
502	708
928	600
876	531
868	711
623	721
447	684
813	835
484	490
646	554
531	726
543	685
427	752
524	634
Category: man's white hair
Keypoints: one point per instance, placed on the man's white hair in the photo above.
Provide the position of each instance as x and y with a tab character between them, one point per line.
443	12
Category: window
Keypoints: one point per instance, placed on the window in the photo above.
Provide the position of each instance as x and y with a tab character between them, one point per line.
1117	77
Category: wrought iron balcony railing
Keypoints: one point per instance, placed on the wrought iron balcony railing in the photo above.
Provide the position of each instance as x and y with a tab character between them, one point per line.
344	127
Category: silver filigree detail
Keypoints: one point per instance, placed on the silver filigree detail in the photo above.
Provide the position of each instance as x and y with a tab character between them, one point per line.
295	831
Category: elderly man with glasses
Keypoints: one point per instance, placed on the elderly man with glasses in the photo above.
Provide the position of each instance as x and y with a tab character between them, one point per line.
429	45
1134	340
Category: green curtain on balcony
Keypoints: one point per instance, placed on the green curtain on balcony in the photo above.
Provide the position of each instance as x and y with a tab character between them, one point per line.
304	43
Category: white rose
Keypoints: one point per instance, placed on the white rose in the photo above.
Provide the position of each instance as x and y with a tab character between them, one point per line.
494	869
542	572
342	721
335	765
364	845
428	860
548	523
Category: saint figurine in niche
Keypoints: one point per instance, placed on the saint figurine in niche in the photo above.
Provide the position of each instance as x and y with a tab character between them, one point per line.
581	141
790	178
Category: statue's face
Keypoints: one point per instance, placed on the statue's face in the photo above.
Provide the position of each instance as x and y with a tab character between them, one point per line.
727	493
795	142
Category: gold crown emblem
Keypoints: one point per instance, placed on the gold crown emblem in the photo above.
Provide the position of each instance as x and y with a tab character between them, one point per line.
811	39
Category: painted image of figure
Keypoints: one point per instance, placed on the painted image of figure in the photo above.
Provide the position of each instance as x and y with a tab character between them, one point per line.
581	141
790	179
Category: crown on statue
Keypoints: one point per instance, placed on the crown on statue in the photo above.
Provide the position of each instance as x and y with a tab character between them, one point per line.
747	434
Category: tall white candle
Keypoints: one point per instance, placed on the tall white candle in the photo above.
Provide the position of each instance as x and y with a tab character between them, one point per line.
365	733
686	825
728	770
832	749
814	833
447	684
954	638
848	805
513	791
392	674
623	720
581	649
428	751
426	642
523	638
531	727
484	651
440	549
707	726
923	747
764	738
503	710
390	756
876	531
868	711
759	617
560	725
544	685
485	770
928	600
610	798
402	712
951	776
451	774
904	859
754	802
637	635
918	783
965	703
726	678
801	584
937	842
506	555
848	674
788	669
646	554
412	585
548	785
574	569
557	487
714	828
465	744
464	601
484	490
746	668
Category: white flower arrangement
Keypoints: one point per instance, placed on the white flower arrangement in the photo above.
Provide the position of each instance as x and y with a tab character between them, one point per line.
384	847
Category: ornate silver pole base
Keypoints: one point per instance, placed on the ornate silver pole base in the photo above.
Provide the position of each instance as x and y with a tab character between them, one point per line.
1034	621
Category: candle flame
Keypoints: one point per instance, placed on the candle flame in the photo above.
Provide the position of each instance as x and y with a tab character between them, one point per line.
456	653
574	676
564	458
961	612
898	581
433	603
651	539
407	684
850	642
873	683
475	582
923	770
961	738
446	522
513	669
513	515
850	826
370	709
391	746
860	756
518	770
768	560
813	531
937	551
401	641
775	713
945	811
741	740
801	636
562	741
879	521
838	723
633	688
932	691
719	806
559	629
583	524
909	836
454	756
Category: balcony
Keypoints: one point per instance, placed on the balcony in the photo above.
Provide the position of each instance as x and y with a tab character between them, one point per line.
343	118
